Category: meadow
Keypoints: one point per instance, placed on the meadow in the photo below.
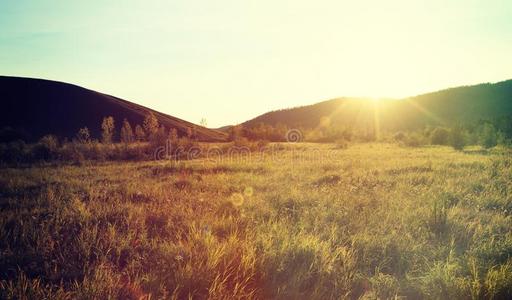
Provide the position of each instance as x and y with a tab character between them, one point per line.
310	221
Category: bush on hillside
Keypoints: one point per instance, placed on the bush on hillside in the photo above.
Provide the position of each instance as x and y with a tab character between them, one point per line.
15	152
399	136
488	136
414	139
457	138
440	136
46	149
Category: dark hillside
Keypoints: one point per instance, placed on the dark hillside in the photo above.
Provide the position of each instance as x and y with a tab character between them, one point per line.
35	107
462	104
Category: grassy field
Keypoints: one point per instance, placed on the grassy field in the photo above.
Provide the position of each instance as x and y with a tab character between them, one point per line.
307	221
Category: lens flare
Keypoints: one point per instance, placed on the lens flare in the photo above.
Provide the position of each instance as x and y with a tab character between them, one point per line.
248	191
237	199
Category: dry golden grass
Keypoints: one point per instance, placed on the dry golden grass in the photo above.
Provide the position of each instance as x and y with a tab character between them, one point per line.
308	221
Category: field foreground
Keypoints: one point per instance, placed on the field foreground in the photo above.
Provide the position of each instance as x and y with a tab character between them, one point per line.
306	221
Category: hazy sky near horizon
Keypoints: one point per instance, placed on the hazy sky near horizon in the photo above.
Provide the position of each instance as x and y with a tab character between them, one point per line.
231	60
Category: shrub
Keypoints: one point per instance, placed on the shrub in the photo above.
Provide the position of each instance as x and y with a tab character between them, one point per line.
46	149
97	151
14	152
414	140
503	140
133	152
457	138
73	152
488	136
440	136
399	136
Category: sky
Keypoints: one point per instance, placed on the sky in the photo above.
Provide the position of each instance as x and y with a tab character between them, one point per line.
231	60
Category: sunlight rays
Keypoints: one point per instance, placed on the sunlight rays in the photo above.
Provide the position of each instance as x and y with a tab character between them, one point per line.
326	120
376	118
424	111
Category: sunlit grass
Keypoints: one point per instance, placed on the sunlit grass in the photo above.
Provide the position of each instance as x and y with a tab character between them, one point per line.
373	220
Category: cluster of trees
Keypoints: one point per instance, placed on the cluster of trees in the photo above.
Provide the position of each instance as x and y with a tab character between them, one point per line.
260	132
278	133
485	134
135	144
150	131
141	142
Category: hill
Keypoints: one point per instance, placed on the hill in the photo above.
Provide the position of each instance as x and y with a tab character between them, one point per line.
461	104
35	107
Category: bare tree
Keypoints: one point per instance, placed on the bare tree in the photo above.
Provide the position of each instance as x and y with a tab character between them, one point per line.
126	132
83	136
107	130
140	135
150	125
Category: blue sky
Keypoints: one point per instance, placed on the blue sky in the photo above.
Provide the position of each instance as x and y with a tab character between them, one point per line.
229	61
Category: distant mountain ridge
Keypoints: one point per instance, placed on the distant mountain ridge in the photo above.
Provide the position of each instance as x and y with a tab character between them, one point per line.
445	107
38	107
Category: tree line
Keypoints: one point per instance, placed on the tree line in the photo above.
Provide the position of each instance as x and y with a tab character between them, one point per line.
486	133
141	142
128	143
